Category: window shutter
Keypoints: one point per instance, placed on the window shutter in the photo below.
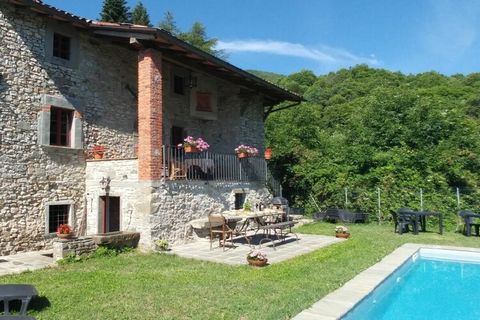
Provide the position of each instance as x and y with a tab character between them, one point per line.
44	126
77	142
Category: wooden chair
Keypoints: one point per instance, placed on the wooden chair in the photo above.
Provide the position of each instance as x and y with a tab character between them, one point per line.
177	172
219	227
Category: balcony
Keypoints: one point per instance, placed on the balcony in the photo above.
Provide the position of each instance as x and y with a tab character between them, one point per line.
212	166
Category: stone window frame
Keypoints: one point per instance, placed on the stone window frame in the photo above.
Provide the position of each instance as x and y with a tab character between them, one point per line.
71	213
65	31
99	209
44	119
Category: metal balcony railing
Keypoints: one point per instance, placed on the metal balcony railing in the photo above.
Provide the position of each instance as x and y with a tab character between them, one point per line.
212	166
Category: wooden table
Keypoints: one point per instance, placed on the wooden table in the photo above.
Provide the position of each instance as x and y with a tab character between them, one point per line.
250	217
22	292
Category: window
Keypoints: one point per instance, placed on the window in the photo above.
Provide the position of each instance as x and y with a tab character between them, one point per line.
61	46
57	215
204	102
178	85
177	135
239	200
60	126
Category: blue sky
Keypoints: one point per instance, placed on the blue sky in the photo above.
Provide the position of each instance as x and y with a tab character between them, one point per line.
285	36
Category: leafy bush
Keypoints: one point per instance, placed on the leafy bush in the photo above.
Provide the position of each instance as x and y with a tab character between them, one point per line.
366	130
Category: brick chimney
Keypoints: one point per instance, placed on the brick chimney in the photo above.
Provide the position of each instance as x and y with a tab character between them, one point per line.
150	115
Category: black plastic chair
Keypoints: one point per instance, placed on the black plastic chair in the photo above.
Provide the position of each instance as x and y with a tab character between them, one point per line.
469	222
404	218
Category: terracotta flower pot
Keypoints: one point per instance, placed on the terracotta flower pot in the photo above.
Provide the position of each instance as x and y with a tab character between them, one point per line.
257	263
64	236
191	149
242	155
342	235
97	155
268	154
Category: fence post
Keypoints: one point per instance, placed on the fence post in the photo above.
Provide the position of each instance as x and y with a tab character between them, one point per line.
421	199
379	204
458	198
346	197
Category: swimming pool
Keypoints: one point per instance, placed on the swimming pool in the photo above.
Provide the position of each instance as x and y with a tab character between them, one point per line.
432	284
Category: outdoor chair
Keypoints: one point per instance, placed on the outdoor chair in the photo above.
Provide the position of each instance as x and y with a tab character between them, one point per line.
22	292
404	218
177	172
16	318
469	222
219	227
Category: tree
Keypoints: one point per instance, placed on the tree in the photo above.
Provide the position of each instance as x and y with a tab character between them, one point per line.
197	36
365	128
140	15
168	24
115	11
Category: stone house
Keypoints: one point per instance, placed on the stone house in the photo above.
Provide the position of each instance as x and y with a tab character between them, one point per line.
69	85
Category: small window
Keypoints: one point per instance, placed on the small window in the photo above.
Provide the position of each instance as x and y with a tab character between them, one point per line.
179	85
60	126
61	46
239	200
177	136
57	215
204	103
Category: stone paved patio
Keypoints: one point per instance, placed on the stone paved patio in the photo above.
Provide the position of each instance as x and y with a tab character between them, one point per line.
27	261
291	248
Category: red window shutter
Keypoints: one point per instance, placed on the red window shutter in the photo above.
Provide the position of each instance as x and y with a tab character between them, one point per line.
204	103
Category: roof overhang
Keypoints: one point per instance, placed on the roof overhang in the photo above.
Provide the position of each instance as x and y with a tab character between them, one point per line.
171	47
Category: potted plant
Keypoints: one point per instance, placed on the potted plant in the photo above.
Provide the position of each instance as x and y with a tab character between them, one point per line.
64	231
257	258
192	145
244	151
247	206
342	232
268	153
98	152
161	245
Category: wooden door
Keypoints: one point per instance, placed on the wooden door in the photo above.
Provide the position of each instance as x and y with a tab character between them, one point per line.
110	213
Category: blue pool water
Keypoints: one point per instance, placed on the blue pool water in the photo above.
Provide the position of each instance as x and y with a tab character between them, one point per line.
429	286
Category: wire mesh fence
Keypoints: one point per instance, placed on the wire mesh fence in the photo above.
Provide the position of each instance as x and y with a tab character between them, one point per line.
380	203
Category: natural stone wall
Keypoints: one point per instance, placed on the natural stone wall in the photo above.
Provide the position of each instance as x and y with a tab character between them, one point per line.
101	87
32	175
176	203
161	210
78	247
134	196
239	116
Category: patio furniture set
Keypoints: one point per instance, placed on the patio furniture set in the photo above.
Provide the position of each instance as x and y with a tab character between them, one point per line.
232	225
405	218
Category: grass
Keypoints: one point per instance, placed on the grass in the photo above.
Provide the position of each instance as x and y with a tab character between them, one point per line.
159	286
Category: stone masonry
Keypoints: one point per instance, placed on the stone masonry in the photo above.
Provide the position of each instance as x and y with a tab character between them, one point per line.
31	174
121	98
161	210
78	247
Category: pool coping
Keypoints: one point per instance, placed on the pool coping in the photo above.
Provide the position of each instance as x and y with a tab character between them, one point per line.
339	302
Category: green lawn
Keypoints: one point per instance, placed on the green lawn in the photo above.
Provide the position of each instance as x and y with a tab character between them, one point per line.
158	286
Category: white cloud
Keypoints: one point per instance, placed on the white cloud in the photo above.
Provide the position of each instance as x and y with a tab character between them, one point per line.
323	54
